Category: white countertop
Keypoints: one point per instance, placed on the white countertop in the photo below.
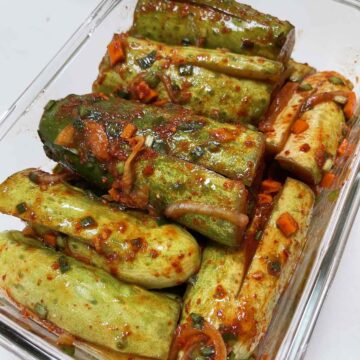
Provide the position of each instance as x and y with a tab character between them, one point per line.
31	32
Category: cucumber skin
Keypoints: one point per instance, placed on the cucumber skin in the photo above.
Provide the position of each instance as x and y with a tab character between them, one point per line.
85	301
136	249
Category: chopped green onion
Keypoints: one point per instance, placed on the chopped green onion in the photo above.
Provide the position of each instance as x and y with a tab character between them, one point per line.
197	321
305	87
231	356
64	264
197	153
21	208
87	221
190	126
68	349
186	70
207	351
147	61
41	310
336	80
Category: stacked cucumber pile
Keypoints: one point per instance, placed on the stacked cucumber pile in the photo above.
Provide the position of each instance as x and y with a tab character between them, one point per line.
184	188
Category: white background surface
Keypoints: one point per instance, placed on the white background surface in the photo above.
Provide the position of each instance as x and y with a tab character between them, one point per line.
31	32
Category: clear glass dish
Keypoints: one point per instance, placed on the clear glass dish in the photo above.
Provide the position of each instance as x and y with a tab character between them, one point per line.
327	32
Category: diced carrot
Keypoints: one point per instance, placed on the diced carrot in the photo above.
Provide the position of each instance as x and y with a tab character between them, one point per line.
66	136
128	131
349	108
299	126
97	140
342	149
270	186
50	239
287	224
115	50
327	180
145	93
264	198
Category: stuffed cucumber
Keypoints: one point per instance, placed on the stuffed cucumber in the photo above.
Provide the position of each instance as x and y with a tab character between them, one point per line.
214	24
224	86
314	121
130	245
66	295
238	300
233	151
140	176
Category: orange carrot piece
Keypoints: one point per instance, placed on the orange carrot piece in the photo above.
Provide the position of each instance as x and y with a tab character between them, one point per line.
115	50
66	136
128	131
342	149
327	180
349	108
299	126
145	93
287	224
270	186
264	198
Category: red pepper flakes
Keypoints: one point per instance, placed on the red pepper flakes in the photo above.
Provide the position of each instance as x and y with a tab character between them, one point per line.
305	148
148	170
